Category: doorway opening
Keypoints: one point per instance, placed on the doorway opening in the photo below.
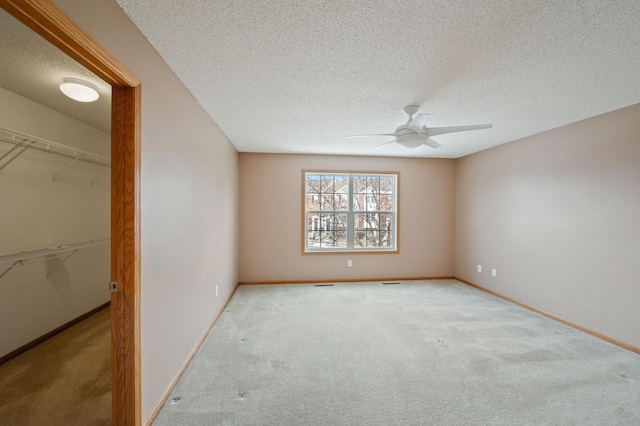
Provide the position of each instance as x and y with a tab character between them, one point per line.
47	21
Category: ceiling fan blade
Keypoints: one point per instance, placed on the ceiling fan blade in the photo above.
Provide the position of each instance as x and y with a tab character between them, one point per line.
366	136
384	144
433	131
418	122
433	144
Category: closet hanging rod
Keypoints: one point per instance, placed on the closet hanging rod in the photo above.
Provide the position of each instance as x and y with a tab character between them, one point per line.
33	142
11	261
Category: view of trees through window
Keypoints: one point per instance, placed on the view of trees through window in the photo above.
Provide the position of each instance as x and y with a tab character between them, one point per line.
350	211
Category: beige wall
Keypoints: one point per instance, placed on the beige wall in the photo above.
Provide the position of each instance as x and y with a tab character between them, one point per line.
558	215
555	214
271	220
189	202
37	213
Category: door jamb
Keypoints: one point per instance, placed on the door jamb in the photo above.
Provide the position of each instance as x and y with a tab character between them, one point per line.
48	21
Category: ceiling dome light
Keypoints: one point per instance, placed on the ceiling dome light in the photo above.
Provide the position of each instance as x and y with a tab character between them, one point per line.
79	90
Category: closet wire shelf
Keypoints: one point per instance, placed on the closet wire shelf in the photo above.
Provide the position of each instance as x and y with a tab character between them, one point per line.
23	142
8	262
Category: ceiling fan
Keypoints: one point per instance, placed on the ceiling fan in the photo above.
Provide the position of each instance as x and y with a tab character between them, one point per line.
414	133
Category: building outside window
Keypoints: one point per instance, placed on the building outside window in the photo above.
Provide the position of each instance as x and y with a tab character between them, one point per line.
350	212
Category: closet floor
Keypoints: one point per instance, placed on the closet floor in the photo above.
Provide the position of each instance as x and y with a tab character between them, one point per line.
66	380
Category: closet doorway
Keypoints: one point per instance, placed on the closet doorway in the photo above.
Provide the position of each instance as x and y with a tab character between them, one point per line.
47	21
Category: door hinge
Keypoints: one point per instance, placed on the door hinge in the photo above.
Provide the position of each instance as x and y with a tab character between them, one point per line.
113	286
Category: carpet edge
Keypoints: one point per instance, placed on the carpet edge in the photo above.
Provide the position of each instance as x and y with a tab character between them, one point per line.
158	406
600	336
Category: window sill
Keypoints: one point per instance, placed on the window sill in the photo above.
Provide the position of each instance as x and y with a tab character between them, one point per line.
350	252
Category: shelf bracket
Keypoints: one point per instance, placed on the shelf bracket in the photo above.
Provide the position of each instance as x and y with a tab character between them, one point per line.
16	263
9	152
60	264
16	155
56	176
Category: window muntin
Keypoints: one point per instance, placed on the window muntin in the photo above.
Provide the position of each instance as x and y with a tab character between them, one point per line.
367	223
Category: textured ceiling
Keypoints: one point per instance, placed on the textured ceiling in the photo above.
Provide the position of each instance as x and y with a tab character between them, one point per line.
297	76
33	68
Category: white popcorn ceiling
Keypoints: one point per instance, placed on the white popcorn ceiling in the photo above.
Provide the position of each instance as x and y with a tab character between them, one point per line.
298	76
34	68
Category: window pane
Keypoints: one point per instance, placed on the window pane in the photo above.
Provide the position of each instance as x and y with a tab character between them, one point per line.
386	184
350	208
386	202
359	184
325	240
313	184
373	184
358	202
341	202
359	220
340	230
372	238
313	222
385	221
386	239
372	202
313	201
386	193
325	222
372	221
313	192
327	202
313	230
326	184
341	183
341	222
341	239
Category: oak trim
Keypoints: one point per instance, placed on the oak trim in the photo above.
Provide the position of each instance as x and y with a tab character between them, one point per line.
554	317
22	349
53	25
125	255
48	21
347	280
176	377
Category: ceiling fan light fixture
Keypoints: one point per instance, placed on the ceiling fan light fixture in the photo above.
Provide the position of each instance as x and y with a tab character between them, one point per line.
79	90
411	140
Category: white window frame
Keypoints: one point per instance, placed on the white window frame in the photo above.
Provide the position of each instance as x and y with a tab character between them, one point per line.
351	213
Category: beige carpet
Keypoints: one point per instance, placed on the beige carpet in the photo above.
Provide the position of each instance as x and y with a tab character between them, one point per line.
416	353
64	381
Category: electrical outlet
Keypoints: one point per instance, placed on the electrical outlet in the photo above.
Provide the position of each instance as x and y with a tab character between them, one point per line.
493	272
479	268
349	263
216	290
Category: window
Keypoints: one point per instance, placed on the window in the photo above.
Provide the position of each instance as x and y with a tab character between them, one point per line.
350	212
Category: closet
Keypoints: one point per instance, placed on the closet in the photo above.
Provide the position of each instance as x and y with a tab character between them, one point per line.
54	217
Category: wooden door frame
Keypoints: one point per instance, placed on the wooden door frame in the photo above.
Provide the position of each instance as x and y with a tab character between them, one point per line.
48	21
